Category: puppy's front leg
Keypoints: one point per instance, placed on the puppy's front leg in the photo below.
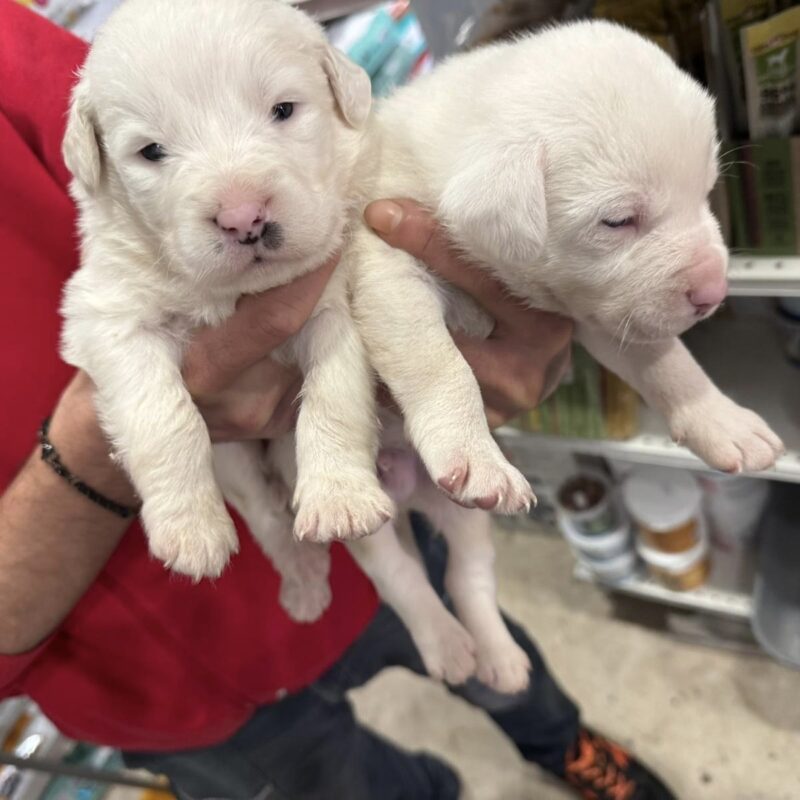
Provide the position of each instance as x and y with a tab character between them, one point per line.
725	435
446	649
164	445
470	581
305	592
401	317
337	493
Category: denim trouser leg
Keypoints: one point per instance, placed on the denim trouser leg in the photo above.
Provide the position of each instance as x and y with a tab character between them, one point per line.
311	747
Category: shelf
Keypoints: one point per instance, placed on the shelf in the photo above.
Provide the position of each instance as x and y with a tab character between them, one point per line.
705	598
746	361
765	276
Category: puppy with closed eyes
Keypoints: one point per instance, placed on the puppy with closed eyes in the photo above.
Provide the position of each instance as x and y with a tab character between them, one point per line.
574	165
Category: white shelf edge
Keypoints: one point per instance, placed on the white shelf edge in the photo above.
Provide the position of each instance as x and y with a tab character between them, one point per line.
764	276
704	598
644	449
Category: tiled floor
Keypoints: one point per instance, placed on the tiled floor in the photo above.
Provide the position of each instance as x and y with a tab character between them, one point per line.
718	725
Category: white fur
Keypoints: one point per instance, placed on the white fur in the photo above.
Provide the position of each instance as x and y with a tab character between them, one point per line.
201	79
523	149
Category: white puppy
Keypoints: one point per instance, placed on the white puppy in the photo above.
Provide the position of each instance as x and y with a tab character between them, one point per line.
575	165
212	147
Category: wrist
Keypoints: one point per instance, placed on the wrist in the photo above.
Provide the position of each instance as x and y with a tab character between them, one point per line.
82	446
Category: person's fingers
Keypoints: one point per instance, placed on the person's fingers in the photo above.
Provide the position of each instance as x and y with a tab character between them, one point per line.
284	417
259	404
260	323
408	226
500	373
497	417
555	372
513	377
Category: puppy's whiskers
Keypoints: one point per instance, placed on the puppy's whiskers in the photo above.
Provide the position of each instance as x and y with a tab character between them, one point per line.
626	331
723	156
625	324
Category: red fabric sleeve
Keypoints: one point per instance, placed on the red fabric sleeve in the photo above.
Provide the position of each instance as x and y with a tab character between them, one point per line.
146	660
37	64
38	245
38	61
13	667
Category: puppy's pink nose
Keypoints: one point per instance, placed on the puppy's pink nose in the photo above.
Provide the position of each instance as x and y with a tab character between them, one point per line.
708	286
244	219
709	295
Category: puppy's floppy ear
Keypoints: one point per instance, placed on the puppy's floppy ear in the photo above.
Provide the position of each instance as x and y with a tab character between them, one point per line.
80	148
350	84
494	205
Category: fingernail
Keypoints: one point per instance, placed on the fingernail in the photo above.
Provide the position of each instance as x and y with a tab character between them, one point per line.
384	216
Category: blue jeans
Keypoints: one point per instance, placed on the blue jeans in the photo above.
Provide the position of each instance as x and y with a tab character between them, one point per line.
311	747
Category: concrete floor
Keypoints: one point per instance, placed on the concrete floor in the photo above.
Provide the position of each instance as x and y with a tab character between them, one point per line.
717	725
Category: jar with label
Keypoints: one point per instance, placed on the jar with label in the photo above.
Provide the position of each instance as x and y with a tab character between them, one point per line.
586	500
680	571
666	504
733	505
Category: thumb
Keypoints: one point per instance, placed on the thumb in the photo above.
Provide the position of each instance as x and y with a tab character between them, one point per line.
408	226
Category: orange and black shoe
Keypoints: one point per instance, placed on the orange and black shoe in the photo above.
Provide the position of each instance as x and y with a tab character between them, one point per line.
600	769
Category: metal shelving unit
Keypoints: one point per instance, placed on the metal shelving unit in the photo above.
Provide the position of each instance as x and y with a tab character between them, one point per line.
765	276
758	377
705	598
745	359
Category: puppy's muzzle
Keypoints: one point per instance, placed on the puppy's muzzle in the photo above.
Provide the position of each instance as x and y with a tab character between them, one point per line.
270	235
247	224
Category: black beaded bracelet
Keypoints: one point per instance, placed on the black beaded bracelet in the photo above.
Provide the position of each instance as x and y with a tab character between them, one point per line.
50	456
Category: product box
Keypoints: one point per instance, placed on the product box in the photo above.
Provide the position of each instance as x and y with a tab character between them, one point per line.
763	189
772	75
399	66
591	403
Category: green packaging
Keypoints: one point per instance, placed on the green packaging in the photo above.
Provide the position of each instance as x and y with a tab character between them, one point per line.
764	197
772	74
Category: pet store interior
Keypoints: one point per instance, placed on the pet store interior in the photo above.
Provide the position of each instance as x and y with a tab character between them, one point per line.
665	597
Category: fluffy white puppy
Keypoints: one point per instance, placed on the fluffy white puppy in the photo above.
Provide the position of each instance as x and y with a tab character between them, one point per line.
575	165
212	147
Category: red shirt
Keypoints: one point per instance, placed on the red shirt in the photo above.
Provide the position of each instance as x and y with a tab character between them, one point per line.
146	660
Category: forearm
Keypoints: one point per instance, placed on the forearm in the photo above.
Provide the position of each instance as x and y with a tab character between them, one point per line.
53	540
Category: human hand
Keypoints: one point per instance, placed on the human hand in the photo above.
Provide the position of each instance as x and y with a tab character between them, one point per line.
527	353
239	389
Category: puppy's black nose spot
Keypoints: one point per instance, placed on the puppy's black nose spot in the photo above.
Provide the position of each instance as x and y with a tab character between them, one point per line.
272	235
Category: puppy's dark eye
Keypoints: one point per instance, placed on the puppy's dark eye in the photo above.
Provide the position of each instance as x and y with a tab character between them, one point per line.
282	111
619	223
153	152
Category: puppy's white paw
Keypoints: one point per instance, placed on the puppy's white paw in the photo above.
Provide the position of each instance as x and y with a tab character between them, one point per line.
329	509
481	477
196	540
726	436
446	648
305	592
504	666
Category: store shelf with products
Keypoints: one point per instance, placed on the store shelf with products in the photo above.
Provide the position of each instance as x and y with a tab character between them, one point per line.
745	358
37	762
707	599
764	276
